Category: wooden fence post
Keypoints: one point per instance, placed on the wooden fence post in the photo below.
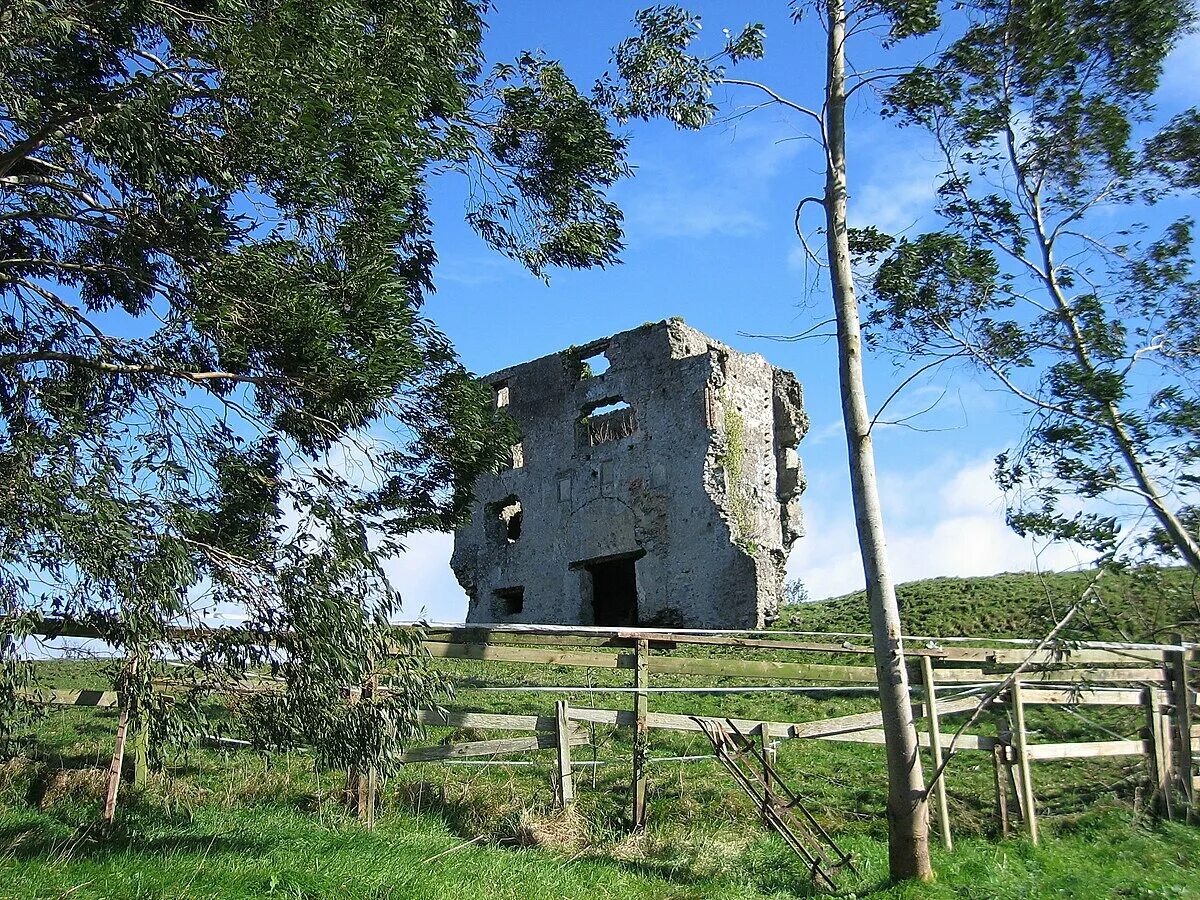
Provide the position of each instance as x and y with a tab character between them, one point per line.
1025	781
113	782
1181	696
140	740
935	748
999	763
640	733
368	783
362	787
1158	753
566	777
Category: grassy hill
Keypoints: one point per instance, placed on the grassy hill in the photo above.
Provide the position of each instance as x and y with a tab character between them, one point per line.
1137	606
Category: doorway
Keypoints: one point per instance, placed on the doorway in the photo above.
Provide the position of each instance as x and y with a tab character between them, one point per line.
614	591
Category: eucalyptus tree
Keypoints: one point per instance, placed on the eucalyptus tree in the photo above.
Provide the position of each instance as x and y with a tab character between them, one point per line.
658	76
218	388
1064	272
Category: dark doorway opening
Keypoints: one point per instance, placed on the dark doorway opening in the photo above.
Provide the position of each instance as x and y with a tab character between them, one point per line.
614	592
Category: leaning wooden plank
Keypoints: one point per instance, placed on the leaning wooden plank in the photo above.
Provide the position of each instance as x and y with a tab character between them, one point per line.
531	655
113	781
488	748
1085	749
876	736
48	697
1021	746
844	724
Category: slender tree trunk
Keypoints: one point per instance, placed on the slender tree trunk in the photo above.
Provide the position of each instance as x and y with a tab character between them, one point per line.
907	809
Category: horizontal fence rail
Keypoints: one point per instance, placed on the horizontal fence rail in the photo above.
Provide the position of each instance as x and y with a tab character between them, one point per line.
953	678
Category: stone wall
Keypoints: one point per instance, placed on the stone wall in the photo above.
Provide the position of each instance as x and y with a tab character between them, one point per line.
662	490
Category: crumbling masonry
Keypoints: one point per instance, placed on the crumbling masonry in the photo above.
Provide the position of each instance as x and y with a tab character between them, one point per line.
656	483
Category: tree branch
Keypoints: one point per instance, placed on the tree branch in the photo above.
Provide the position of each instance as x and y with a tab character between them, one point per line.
12	360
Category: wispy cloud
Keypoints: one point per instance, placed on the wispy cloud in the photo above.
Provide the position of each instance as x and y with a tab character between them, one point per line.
941	520
676	199
1181	72
477	270
898	192
691	211
893	189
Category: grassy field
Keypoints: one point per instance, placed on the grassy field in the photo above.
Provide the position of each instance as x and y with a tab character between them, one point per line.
217	825
1135	606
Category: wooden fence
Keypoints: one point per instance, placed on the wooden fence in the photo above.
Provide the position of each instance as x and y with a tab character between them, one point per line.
950	678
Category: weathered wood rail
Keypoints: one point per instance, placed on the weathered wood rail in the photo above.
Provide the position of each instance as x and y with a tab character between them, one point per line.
1011	676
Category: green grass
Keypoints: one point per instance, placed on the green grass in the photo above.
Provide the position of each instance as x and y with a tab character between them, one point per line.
1137	606
216	825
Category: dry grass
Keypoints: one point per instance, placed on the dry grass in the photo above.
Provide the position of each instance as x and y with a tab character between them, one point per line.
562	831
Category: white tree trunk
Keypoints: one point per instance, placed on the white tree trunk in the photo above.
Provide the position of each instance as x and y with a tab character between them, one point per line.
907	809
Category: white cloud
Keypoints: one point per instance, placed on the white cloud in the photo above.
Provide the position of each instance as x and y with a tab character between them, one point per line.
691	211
899	191
893	192
721	196
475	270
1181	71
428	589
942	520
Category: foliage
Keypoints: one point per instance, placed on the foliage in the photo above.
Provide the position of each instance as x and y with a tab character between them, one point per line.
795	592
218	390
658	77
1044	278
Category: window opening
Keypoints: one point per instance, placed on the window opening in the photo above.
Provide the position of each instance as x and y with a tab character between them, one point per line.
501	396
510	600
507	518
593	366
610	419
516	457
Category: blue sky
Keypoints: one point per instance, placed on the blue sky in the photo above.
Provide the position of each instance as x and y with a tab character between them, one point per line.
708	233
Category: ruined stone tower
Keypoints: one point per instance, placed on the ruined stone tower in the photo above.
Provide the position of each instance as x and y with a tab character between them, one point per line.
656	483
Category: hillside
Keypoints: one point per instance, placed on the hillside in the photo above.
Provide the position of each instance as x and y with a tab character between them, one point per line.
1142	606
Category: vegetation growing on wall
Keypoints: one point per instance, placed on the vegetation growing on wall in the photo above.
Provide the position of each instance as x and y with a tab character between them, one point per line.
732	459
